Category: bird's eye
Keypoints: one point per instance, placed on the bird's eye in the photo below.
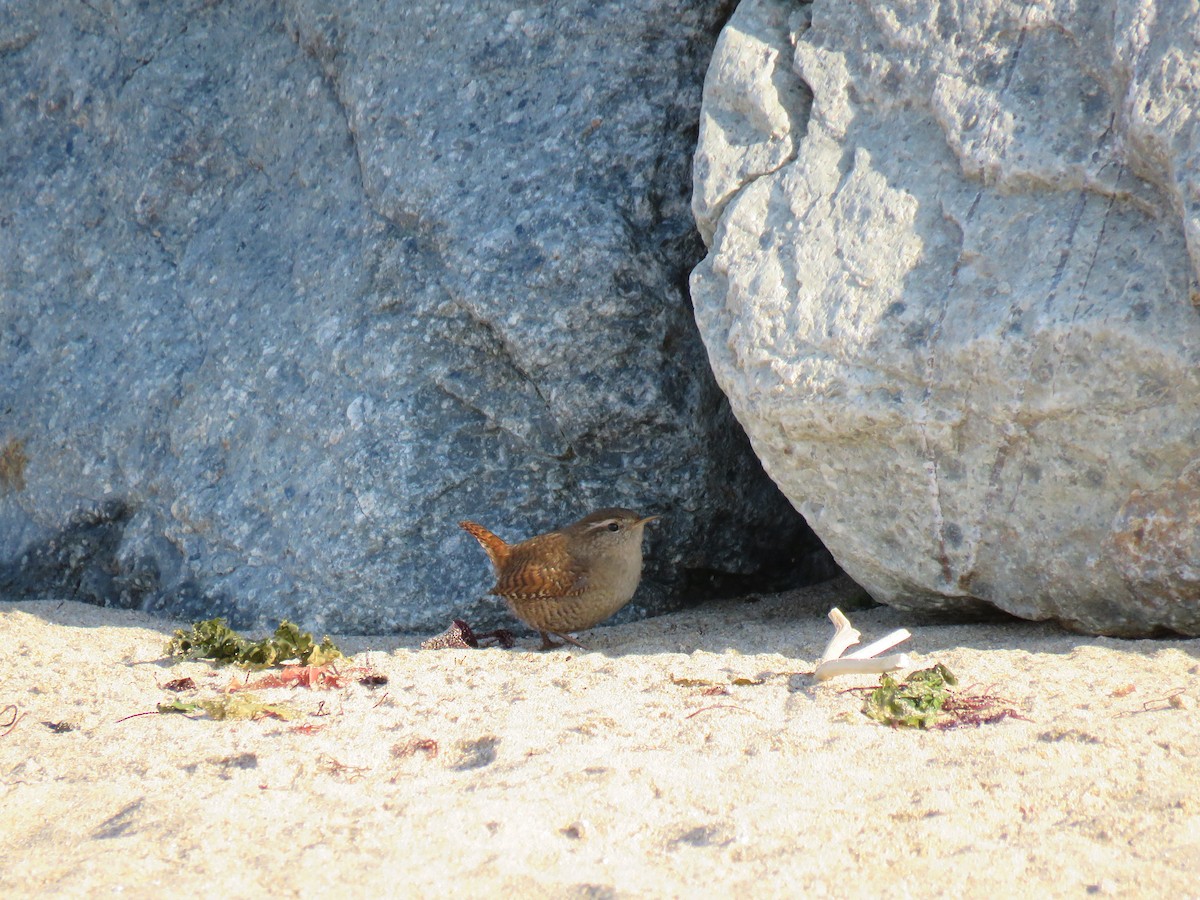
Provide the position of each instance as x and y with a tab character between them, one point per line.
613	526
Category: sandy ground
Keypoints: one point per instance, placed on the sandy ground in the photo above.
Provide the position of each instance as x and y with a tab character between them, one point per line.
623	771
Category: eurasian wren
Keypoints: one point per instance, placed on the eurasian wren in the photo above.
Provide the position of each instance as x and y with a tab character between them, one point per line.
570	579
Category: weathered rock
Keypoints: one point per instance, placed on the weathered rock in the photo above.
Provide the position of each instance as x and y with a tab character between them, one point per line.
954	304
289	288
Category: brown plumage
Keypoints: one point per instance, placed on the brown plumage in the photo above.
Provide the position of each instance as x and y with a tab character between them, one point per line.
569	579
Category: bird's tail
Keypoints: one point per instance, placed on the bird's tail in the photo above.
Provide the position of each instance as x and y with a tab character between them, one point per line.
495	547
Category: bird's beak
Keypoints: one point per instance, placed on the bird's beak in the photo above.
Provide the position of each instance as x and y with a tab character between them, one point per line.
647	519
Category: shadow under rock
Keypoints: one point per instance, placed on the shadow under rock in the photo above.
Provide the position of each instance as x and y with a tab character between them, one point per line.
795	623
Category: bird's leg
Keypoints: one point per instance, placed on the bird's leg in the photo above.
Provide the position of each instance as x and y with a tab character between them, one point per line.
548	644
570	640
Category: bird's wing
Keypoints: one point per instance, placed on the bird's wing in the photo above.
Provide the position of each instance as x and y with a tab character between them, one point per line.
540	568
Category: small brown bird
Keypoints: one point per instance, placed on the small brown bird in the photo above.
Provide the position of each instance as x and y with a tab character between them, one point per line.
570	579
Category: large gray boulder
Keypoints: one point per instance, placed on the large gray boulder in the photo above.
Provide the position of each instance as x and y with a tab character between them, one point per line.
954	301
290	288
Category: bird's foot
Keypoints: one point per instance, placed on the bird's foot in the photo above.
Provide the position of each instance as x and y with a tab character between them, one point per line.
548	644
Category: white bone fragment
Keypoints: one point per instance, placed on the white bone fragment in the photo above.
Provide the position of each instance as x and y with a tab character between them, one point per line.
884	643
862	661
844	635
832	668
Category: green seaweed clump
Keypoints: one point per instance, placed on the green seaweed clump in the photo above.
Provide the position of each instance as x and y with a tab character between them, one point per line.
913	703
213	639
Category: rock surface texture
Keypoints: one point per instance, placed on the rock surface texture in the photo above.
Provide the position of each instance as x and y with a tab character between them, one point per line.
290	288
952	294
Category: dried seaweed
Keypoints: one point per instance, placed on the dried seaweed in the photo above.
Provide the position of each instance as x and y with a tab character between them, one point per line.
335	767
460	636
924	700
691	682
324	677
213	639
502	637
717	706
740	681
1176	699
12	722
428	746
963	708
230	706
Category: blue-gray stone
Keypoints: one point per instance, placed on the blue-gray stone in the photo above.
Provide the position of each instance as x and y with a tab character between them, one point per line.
290	288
